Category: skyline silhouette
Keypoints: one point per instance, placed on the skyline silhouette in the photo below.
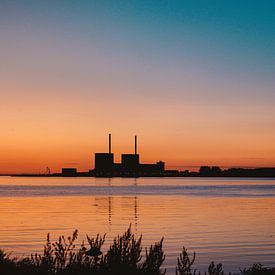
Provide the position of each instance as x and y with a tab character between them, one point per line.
131	167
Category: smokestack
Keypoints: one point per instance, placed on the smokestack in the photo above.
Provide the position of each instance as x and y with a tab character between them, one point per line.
110	144
135	145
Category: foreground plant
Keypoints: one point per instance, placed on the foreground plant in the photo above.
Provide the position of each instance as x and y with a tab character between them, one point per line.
258	269
62	257
184	266
124	256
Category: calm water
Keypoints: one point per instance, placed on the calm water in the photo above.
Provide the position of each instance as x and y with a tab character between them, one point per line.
226	220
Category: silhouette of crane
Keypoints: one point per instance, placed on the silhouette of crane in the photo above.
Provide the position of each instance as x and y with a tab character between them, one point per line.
48	171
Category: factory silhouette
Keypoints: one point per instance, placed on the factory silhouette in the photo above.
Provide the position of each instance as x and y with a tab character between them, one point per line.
130	166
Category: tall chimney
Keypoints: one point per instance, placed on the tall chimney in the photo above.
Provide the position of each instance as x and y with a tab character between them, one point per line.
110	144
135	145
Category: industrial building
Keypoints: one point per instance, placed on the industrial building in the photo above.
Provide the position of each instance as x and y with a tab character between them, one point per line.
130	165
69	172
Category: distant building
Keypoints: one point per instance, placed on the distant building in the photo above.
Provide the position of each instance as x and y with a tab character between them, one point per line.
104	163
130	165
69	172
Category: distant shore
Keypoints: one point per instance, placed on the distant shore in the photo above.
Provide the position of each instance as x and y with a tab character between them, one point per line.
204	171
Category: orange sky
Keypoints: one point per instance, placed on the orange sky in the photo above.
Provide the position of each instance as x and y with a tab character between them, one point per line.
44	131
195	84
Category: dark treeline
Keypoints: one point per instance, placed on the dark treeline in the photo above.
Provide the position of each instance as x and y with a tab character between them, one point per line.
124	256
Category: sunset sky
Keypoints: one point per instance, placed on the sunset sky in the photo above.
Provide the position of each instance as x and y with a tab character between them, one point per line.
195	80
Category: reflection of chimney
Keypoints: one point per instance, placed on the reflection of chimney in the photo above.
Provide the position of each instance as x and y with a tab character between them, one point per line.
135	145
109	143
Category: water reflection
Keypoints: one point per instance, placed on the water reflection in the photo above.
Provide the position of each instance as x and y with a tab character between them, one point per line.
105	206
235	230
131	203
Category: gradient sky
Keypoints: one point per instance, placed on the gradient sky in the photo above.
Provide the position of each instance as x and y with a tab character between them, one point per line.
193	79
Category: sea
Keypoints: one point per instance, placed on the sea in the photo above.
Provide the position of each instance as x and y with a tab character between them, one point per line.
225	220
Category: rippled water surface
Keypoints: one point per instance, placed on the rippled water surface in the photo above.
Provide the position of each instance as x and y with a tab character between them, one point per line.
226	220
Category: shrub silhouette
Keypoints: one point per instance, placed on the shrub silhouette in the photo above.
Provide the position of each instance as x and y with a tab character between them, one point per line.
154	259
215	270
124	256
62	257
258	269
184	266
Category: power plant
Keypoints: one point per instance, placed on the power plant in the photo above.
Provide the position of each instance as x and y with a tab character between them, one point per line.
129	166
